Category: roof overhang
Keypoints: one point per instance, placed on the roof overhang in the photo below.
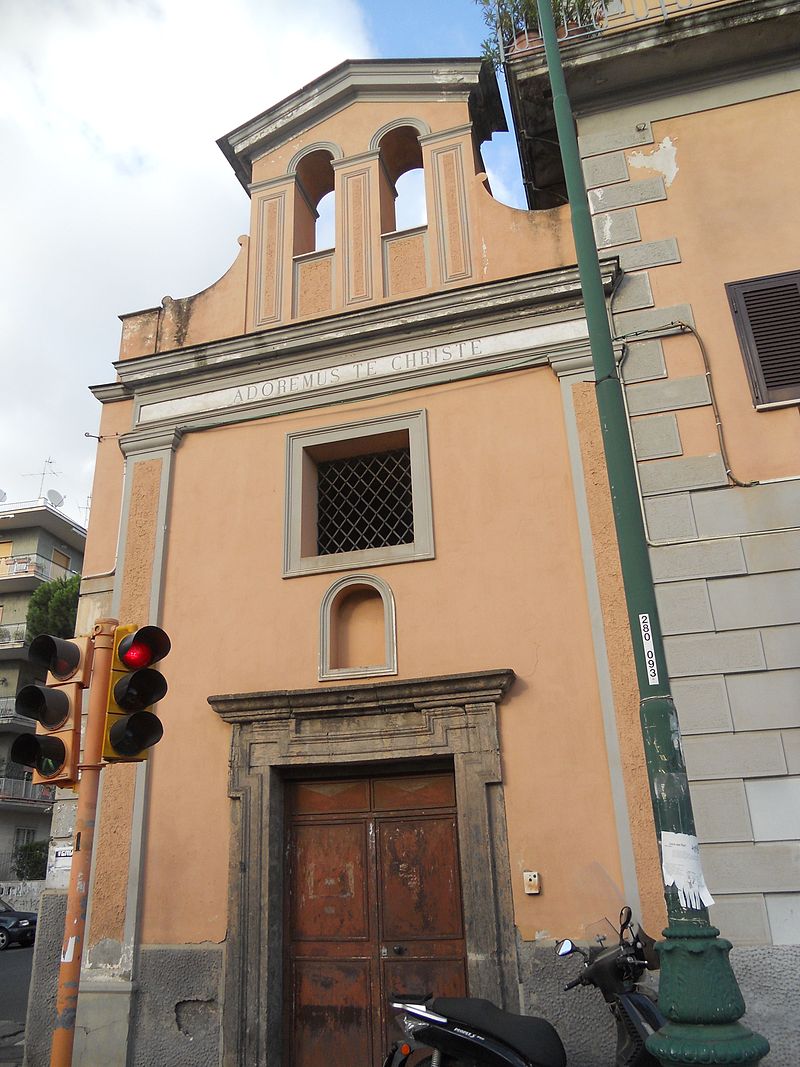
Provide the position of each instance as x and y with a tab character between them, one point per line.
45	518
696	48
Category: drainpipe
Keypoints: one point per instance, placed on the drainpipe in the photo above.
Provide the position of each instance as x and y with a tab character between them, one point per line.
698	991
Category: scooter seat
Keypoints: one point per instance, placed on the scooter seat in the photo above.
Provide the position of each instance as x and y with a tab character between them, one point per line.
535	1038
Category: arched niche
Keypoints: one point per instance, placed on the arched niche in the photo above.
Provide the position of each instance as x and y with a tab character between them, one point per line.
358	630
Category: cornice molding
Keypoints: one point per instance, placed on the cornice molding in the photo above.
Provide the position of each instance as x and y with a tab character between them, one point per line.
110	393
567	363
353	161
273	183
454	690
356	331
446	135
151	440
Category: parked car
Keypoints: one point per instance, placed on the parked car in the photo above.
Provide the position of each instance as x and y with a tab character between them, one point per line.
16	926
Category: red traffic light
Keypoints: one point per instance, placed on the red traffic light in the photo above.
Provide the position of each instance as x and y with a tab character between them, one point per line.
147	645
131	728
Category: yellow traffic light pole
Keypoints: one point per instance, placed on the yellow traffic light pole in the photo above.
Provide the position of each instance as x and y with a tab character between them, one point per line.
77	896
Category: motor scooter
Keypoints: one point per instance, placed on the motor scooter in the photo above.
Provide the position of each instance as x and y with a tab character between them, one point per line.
470	1032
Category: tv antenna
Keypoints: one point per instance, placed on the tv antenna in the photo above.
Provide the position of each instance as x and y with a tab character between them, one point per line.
49	462
55	498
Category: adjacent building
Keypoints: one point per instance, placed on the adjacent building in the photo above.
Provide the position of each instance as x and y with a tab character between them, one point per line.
363	489
38	544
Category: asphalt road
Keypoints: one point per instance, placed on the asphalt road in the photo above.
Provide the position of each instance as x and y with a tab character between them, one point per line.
15	977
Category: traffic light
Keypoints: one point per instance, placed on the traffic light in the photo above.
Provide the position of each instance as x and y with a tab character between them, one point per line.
131	729
54	749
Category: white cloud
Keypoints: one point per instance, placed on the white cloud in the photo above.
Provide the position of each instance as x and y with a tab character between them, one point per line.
114	191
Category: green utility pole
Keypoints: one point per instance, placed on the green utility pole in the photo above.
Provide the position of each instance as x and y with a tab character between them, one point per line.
698	992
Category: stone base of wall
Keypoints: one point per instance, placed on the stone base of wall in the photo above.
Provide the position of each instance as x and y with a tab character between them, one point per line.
177	1007
44	978
24	896
767	976
580	1016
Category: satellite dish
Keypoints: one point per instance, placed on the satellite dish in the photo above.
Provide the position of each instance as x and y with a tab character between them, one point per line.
55	498
2	495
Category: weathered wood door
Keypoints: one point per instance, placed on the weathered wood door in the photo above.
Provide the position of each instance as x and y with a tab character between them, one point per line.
373	907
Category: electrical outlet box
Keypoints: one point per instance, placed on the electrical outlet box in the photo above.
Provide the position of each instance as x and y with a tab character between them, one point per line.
531	882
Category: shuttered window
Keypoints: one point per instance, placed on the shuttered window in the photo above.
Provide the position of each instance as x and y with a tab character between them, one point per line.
766	312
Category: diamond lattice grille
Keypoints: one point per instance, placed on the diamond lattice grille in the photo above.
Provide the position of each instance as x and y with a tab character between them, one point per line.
364	502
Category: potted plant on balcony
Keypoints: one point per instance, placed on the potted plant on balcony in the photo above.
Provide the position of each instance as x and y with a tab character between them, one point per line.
515	24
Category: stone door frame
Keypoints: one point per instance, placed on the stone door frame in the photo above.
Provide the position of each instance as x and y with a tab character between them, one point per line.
278	733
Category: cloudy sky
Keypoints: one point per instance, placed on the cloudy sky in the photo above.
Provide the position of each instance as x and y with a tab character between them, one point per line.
113	189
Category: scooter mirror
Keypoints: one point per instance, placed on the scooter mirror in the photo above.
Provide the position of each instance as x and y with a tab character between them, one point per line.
565	947
624	920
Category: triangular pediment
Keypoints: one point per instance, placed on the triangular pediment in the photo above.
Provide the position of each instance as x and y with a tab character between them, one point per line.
471	80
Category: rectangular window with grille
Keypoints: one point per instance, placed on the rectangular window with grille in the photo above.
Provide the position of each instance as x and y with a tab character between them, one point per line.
358	495
766	313
365	502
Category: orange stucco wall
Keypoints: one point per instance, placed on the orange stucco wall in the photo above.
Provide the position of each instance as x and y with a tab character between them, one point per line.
735	218
507	587
472	607
622	668
101	539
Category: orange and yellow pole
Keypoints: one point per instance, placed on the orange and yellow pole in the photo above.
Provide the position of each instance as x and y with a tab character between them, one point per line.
78	894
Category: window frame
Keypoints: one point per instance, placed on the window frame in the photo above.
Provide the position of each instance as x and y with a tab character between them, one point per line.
761	392
300	495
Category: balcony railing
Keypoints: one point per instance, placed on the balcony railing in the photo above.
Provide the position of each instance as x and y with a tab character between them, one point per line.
32	564
18	789
518	32
8	714
12	634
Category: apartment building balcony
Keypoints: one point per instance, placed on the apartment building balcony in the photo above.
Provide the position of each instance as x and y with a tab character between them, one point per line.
9	720
519	35
615	52
13	637
18	794
28	571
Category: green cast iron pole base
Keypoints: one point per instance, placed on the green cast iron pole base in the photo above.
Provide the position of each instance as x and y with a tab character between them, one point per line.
699	995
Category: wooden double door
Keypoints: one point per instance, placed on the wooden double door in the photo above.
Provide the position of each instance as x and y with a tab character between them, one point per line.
373	907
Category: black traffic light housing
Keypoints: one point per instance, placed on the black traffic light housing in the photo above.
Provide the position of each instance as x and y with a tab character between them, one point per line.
131	728
54	749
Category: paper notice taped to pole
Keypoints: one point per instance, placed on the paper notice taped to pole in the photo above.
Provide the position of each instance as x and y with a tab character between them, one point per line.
680	862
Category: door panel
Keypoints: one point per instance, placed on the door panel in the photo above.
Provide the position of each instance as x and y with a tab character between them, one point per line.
429	791
373	906
330	888
332	1012
310	798
418	869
